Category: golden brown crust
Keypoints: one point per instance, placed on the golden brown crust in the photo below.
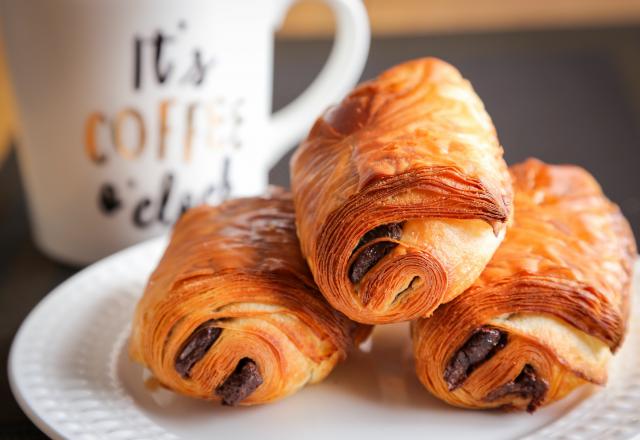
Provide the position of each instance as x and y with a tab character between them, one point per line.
238	267
413	145
558	286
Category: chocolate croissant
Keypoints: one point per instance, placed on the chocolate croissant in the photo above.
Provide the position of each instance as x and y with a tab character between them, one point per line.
549	310
232	314
401	194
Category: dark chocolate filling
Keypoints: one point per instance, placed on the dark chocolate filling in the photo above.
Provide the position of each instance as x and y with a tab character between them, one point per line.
370	256
196	347
391	230
482	344
526	385
244	380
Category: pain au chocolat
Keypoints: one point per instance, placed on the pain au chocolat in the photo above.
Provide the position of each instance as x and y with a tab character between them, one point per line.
232	314
549	310
401	193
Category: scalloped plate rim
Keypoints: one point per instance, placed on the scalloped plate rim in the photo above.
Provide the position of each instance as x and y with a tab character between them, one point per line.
52	429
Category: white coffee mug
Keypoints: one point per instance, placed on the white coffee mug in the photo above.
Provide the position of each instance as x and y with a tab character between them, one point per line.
133	110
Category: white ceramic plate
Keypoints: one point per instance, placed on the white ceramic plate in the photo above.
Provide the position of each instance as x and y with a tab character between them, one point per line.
70	373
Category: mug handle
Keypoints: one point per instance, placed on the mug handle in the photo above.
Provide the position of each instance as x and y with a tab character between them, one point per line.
341	71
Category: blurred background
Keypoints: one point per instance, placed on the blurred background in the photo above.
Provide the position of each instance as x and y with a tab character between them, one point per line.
560	78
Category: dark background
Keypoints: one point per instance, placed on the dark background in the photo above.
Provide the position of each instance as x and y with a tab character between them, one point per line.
562	96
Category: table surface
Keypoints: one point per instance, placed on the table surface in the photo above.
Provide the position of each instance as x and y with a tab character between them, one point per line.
562	96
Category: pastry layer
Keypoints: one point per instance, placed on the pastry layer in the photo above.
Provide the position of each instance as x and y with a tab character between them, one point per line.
232	314
415	148
557	291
